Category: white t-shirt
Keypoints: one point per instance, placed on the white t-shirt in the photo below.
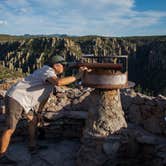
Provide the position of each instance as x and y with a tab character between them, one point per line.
34	89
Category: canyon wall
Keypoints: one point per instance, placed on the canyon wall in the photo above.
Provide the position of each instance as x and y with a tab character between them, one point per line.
147	55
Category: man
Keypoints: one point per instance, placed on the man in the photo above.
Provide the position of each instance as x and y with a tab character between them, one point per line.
23	98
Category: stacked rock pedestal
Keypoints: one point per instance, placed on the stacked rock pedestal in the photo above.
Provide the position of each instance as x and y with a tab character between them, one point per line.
101	138
105	114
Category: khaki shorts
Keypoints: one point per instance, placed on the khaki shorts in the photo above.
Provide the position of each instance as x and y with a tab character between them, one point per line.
14	112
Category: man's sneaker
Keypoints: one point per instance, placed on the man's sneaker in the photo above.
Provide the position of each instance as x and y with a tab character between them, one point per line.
6	160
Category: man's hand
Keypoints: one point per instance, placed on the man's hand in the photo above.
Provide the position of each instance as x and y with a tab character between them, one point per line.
82	71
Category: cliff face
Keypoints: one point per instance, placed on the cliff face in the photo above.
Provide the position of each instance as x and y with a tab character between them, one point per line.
148	65
147	60
28	55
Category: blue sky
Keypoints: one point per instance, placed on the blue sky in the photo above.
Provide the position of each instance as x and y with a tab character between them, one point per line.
83	17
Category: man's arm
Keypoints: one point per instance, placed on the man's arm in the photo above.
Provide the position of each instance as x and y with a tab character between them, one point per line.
42	104
62	81
68	80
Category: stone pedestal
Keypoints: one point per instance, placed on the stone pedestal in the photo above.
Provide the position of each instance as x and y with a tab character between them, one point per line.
101	137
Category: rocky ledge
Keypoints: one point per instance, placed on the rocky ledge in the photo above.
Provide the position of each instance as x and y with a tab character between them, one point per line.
144	140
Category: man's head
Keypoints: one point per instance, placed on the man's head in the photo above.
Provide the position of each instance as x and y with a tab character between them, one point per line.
57	62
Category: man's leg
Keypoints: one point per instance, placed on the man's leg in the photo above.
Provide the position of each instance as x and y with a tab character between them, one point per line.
13	114
32	130
33	121
6	136
5	140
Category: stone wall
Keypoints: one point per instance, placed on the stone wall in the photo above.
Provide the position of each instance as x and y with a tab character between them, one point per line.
145	137
144	140
64	114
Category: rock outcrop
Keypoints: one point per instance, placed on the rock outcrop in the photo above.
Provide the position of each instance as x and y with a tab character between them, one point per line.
28	55
148	112
143	141
146	132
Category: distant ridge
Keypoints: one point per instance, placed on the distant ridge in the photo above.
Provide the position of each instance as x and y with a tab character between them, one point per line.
8	37
42	35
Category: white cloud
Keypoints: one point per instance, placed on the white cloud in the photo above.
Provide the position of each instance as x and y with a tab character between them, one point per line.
16	3
3	22
24	10
101	3
50	4
109	17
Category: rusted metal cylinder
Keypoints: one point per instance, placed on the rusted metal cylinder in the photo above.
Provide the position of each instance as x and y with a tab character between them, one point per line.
105	79
98	66
104	75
